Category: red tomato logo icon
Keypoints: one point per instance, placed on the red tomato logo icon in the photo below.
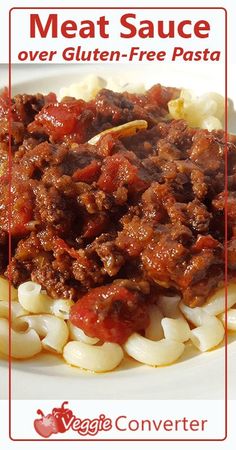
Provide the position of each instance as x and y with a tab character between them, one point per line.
46	425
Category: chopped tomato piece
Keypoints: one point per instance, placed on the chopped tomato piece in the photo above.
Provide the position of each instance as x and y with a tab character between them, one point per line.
62	246
85	263
4	103
95	225
56	120
205	242
111	313
162	95
87	174
50	98
106	145
4	179
118	171
21	210
59	119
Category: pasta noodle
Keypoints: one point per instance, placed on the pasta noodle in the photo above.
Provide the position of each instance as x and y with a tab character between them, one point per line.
16	310
53	330
118	85
4	290
209	331
176	329
95	358
35	301
193	315
208	335
154	331
76	334
153	353
85	89
174	325
23	345
216	303
231	319
205	111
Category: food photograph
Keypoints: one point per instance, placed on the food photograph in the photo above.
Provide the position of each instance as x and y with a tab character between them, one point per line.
117	214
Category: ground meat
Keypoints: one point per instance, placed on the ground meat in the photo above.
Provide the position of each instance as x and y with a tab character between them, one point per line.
110	254
19	272
23	109
198	216
232	254
170	263
21	206
87	271
54	282
115	224
118	171
53	209
27	249
162	259
3	250
220	201
199	184
207	152
135	235
3	237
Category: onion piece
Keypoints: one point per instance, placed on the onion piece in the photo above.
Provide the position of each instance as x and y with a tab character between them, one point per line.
127	129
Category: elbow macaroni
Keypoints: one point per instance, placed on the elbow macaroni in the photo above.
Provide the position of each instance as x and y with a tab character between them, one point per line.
174	325
16	310
76	334
176	329
23	345
231	319
209	331
39	322
54	330
153	353
206	111
95	358
208	335
154	331
216	303
35	301
5	288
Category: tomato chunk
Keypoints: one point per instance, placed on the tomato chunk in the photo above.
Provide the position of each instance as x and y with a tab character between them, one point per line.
59	119
205	242
118	171
161	95
21	209
4	103
111	313
50	98
61	246
87	174
95	225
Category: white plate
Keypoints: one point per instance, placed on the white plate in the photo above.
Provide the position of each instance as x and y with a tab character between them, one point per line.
195	375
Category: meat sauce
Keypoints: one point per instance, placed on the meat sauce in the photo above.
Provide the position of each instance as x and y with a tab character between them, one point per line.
115	224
